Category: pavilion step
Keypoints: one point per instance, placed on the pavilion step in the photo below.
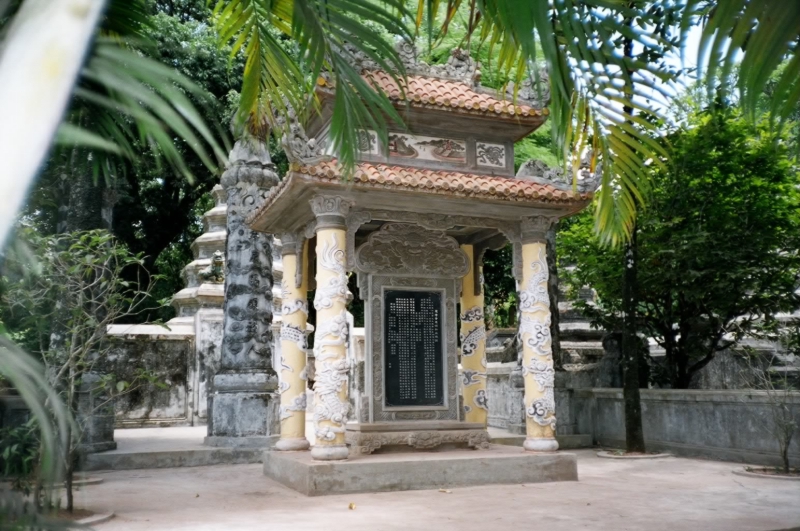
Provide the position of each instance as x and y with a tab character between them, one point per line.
115	460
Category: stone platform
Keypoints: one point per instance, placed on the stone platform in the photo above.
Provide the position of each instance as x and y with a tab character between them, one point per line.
166	448
498	465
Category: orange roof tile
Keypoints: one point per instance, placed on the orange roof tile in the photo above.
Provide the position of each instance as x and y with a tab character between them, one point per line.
373	175
440	92
446	93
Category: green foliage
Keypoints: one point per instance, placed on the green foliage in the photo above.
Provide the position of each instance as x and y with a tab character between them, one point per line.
127	103
537	146
325	32
156	211
69	293
71	288
718	245
500	290
19	453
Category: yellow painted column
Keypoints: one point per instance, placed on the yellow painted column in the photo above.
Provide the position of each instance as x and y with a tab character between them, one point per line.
473	345
534	330
294	316
331	400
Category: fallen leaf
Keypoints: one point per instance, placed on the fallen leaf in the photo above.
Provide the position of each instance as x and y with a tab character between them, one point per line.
352	506
446	491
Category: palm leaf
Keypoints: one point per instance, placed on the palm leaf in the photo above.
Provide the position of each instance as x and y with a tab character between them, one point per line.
324	32
592	84
756	35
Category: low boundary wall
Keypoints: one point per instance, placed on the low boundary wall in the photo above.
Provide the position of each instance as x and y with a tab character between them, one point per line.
731	425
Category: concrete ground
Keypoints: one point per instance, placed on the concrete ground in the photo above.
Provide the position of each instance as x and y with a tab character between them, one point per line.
666	494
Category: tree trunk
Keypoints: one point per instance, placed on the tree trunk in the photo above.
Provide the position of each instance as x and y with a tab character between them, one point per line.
785	452
631	352
552	291
631	346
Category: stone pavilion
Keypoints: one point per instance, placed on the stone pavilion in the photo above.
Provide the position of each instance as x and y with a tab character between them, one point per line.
413	223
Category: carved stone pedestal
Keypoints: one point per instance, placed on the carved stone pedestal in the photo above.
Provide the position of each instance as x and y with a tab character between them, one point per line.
423	435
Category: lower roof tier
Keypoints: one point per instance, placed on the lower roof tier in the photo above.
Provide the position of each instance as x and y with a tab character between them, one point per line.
382	186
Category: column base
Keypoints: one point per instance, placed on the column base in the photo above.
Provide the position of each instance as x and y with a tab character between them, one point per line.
330	453
543	444
292	445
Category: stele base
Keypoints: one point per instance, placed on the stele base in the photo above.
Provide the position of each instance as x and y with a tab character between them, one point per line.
497	465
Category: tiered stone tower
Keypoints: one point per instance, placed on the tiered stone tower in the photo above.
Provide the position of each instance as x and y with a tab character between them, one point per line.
201	291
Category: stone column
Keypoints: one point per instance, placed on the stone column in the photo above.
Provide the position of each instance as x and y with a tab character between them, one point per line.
534	330
243	406
331	402
473	343
294	314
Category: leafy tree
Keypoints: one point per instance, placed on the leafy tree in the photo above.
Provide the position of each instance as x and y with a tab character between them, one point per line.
719	245
78	291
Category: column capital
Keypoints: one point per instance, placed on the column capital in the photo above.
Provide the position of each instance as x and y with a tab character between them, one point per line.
534	228
291	243
330	210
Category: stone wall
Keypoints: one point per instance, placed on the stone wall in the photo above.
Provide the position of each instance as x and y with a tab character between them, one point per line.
174	399
505	390
730	425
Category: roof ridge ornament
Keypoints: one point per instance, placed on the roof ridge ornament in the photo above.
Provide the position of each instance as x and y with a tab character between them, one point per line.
296	143
539	172
460	66
528	92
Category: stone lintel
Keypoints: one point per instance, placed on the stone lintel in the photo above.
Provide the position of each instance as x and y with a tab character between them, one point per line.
175	332
500	465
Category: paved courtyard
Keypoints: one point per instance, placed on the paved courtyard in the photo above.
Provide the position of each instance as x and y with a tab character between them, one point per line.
667	494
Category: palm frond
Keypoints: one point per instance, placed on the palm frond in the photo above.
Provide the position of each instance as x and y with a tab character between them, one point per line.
756	35
600	99
40	59
326	33
124	97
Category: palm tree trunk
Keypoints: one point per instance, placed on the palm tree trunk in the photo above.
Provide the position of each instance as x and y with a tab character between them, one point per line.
631	352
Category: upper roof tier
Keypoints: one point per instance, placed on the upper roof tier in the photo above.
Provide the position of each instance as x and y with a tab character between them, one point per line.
440	99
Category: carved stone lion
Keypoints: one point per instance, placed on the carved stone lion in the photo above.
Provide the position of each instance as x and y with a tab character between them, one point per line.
215	272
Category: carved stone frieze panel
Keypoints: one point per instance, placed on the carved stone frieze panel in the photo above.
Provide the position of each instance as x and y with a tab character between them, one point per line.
366	443
405	249
490	155
444	222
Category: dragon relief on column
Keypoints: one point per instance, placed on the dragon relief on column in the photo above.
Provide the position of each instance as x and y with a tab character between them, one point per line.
534	332
332	370
290	305
298	403
535	296
332	259
543	409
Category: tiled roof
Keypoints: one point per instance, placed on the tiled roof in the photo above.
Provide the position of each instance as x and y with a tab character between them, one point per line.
444	93
372	175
